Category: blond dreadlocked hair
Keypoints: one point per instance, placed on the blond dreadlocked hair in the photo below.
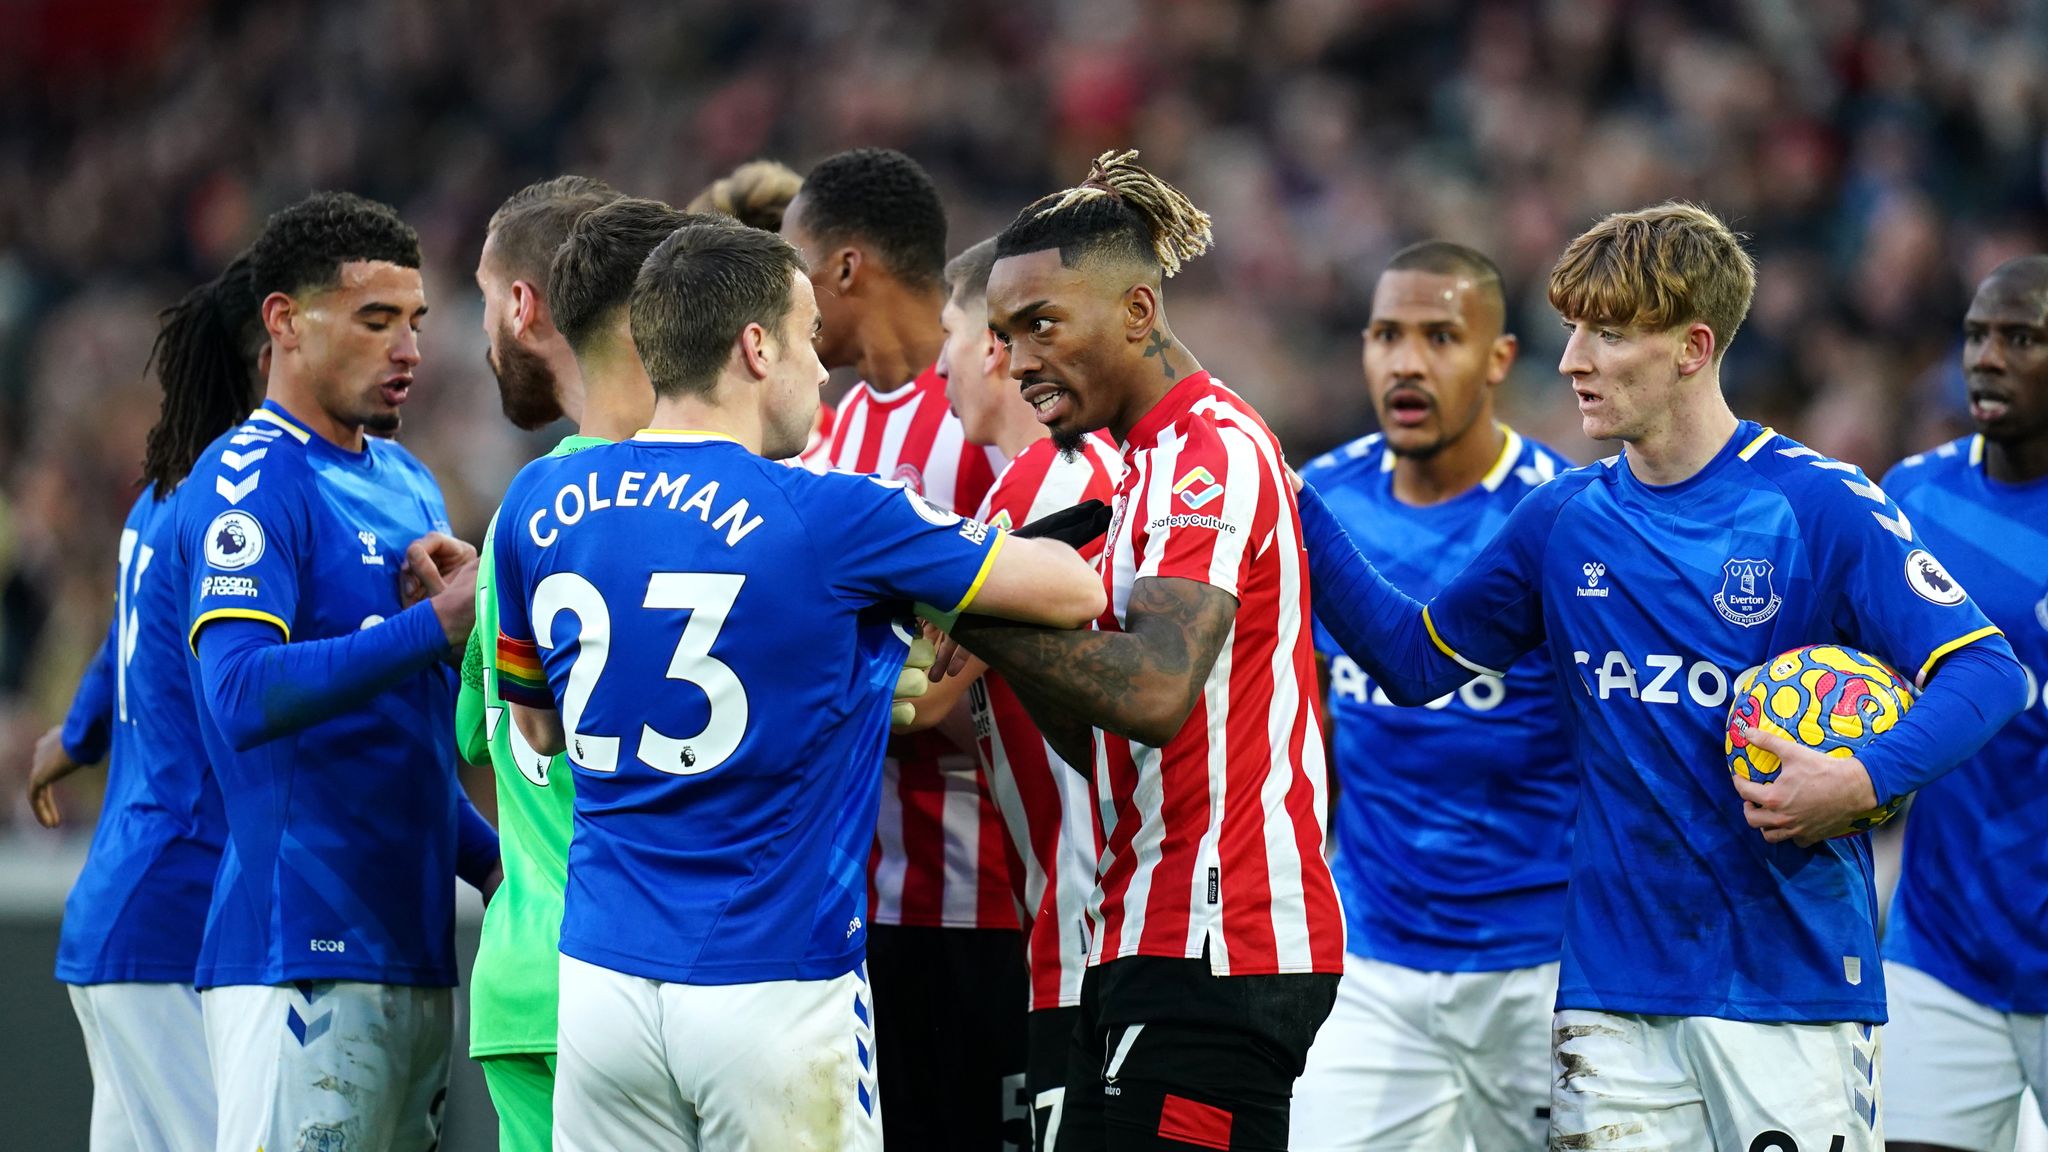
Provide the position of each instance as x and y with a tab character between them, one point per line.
1118	206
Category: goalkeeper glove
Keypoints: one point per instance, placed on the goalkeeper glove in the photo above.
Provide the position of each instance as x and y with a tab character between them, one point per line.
1076	527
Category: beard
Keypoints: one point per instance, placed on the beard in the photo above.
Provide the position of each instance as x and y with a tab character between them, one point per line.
384	424
1069	442
526	385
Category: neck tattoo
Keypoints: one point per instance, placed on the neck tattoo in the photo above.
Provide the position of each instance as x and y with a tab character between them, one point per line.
1158	348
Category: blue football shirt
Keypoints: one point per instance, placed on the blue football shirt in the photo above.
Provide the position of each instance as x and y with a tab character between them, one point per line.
721	635
342	835
140	902
1971	909
1453	821
1650	600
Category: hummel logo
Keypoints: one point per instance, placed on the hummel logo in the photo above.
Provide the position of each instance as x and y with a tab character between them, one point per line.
1593	571
233	493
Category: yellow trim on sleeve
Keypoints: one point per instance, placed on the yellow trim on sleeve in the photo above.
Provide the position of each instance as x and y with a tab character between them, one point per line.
988	564
1762	438
1447	650
205	618
269	417
1963	641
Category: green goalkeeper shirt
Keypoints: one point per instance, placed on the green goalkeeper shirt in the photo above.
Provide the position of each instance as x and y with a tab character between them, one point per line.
513	991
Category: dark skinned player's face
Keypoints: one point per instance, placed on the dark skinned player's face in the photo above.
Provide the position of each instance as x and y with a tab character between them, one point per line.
836	344
1431	353
1066	335
2005	358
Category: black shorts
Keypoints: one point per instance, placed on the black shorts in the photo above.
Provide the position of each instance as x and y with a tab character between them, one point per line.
1167	1055
1049	1038
949	1037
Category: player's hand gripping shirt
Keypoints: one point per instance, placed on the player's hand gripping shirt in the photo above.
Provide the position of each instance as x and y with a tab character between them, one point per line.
513	990
1453	821
140	902
720	634
342	840
1651	600
1043	801
1971	908
938	859
1216	840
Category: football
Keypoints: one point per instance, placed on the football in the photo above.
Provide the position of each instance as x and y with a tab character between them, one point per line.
1824	696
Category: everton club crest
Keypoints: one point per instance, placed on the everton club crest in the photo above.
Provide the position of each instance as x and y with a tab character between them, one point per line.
1746	596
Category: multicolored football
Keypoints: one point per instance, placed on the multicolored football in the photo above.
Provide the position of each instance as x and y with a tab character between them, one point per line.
1825	696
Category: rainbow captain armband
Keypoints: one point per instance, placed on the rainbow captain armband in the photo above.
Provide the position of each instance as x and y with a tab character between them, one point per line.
520	678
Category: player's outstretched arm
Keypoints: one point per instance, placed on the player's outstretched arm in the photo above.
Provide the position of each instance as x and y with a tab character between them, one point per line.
1140	683
1381	628
1039	582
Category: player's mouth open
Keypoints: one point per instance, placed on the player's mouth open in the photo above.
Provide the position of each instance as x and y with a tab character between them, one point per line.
1587	398
1049	401
1988	407
1408	407
394	390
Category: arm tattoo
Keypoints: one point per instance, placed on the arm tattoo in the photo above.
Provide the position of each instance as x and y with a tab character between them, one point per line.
1140	684
1158	348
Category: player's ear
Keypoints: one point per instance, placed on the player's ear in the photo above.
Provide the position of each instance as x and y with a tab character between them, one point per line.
280	319
846	265
753	351
1696	350
1141	311
1500	359
995	359
526	307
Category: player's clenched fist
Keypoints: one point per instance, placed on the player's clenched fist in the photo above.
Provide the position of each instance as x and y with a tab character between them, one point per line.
430	563
912	682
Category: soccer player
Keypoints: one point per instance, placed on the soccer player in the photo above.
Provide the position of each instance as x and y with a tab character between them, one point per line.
1719	985
132	923
712	638
1042	799
1217	938
1966	946
945	955
512	988
328	958
1453	822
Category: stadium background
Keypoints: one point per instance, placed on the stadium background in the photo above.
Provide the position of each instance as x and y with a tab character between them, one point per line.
1883	156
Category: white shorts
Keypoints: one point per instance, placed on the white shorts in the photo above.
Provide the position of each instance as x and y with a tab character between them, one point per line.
329	1066
786	1064
1955	1069
152	1088
1429	1060
1632	1083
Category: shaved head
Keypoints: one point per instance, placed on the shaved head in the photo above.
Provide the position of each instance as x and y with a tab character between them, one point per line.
2022	275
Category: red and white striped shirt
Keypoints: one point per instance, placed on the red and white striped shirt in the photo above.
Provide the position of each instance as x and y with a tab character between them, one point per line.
1043	802
939	859
1216	840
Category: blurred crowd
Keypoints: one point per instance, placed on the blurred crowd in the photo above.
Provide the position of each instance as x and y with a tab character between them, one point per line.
1883	156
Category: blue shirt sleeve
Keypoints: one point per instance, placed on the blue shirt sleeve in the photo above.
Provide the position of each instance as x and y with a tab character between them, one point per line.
1969	698
88	726
244	543
882	541
258	687
1487	616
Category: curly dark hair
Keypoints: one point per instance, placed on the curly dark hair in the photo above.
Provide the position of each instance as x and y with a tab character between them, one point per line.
593	270
304	246
205	356
532	222
885	198
698	291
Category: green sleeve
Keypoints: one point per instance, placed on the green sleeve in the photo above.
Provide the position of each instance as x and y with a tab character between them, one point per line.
470	735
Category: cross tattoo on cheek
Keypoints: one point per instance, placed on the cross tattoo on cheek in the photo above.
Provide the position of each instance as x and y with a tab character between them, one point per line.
1158	348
